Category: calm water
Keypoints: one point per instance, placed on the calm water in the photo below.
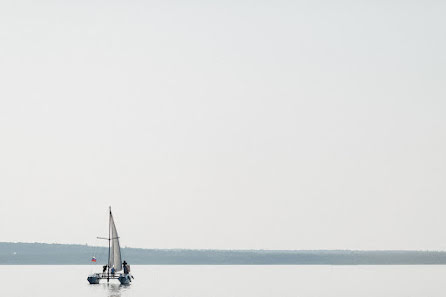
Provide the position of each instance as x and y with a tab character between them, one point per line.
230	281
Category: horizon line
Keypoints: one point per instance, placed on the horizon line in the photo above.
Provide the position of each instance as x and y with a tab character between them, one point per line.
235	249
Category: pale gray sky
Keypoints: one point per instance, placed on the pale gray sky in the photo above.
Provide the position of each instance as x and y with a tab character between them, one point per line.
224	124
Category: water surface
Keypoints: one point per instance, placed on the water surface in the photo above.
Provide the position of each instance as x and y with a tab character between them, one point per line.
230	281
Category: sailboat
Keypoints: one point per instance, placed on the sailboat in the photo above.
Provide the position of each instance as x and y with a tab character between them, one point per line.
114	268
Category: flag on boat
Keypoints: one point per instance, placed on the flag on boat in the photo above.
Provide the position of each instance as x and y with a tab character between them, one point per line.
93	259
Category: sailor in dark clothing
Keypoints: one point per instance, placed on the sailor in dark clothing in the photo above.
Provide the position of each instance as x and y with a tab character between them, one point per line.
104	268
126	267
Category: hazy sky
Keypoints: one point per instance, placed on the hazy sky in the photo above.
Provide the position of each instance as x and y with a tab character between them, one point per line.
224	124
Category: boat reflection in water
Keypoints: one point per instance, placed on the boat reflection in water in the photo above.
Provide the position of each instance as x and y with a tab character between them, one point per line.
115	290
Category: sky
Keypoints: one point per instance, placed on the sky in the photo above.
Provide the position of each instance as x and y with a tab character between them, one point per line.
224	124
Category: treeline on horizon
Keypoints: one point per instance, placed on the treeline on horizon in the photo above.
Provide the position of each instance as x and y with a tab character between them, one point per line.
73	254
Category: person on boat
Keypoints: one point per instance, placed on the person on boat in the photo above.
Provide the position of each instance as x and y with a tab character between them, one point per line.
113	271
126	267
104	268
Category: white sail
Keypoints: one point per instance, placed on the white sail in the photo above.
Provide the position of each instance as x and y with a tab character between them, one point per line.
115	249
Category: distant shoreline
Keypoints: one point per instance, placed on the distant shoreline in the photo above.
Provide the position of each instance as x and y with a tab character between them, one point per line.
75	254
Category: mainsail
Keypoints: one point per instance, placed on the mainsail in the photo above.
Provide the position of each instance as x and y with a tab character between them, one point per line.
115	250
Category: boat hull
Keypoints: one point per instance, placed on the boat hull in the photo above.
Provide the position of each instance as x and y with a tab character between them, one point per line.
125	279
93	279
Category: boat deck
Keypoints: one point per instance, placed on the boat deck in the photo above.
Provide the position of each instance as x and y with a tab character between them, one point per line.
107	276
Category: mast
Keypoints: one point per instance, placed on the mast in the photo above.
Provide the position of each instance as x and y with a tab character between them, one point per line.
109	239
